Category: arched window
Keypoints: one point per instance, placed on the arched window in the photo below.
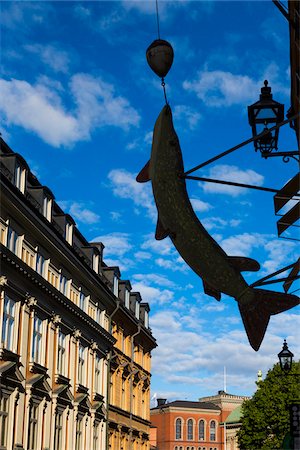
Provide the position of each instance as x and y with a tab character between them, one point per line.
212	430
178	428
201	430
190	429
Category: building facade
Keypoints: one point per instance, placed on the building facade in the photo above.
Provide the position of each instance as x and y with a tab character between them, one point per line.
71	330
188	425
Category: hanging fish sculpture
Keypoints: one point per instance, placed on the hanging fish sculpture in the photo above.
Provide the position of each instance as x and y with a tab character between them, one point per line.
177	219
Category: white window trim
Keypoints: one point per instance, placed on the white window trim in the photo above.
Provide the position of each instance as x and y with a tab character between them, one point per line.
14	345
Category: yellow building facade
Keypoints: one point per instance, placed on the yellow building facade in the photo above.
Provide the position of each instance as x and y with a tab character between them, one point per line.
75	341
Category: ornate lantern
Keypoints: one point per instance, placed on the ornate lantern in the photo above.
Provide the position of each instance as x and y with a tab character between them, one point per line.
263	115
285	358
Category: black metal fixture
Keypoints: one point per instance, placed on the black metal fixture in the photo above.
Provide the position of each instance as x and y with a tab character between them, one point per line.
263	115
285	358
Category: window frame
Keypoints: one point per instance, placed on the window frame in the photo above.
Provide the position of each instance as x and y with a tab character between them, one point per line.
190	431
178	428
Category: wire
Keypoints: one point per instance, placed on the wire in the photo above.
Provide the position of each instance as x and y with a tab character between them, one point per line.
157	19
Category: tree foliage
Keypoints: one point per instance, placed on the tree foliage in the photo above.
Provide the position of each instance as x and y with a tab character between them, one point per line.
266	417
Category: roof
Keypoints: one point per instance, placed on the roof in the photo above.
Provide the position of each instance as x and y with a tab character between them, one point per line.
187	404
235	415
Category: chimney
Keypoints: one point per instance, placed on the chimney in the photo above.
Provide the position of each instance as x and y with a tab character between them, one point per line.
161	401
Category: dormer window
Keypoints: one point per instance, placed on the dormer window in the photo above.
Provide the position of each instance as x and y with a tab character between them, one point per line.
96	263
47	207
127	294
69	233
116	286
137	310
146	319
20	173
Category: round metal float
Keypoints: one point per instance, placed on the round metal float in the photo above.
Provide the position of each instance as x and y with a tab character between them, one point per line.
160	57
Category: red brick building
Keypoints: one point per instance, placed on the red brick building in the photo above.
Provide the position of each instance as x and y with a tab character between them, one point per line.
188	425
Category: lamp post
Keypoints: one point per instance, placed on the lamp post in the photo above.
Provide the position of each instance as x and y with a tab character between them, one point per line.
292	439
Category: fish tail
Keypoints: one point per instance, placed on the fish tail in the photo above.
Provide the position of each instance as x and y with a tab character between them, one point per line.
257	306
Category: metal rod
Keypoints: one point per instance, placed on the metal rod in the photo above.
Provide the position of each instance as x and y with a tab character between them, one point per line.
242	144
258	282
279	280
281	9
292	153
231	183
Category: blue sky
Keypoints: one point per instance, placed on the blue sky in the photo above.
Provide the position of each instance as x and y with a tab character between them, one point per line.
78	102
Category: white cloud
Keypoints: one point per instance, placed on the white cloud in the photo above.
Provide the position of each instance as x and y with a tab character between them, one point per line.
142	255
276	253
116	244
39	109
186	117
218	223
79	211
83	214
153	295
153	278
219	88
199	356
55	58
234	174
163	247
199	205
170	264
125	186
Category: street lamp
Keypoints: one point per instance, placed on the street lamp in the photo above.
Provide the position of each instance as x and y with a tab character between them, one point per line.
264	114
285	358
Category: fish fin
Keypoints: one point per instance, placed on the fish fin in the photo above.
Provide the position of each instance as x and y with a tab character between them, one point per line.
144	174
160	232
257	305
211	291
244	264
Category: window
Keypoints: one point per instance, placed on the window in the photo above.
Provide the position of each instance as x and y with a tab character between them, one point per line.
80	364
190	429
96	436
78	442
8	324
146	319
116	286
97	374
201	430
63	284
28	254
20	177
53	276
127	294
178	428
82	301
40	264
58	430
47	205
33	424
96	263
137	310
61	353
212	430
74	294
37	335
3	232
69	233
12	240
4	409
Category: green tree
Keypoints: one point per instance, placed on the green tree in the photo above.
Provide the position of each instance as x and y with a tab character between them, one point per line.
266	417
